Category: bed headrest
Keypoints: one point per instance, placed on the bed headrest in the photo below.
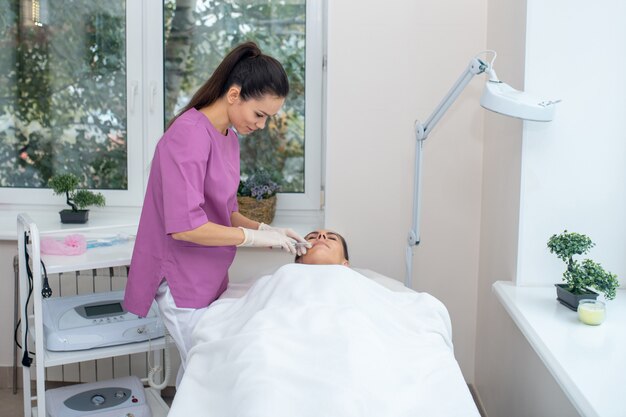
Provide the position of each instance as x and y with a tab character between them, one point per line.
385	281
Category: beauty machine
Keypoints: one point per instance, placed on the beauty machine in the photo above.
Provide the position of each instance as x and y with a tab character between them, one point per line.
96	320
121	397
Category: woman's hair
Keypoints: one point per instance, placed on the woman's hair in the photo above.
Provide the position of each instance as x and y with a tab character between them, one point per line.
345	247
246	66
343	244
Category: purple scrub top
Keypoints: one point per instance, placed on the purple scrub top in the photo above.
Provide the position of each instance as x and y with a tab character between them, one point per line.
193	180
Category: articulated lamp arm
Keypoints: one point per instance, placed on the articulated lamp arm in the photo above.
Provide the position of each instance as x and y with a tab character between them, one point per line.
475	67
497	97
422	130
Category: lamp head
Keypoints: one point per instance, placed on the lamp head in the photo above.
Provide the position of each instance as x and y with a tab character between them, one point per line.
501	98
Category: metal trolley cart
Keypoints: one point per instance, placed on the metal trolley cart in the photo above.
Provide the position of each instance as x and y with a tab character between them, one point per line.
32	329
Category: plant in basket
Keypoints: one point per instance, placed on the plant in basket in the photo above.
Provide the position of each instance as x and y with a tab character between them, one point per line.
580	276
256	196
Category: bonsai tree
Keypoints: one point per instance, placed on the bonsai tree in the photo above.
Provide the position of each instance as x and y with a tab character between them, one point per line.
77	199
580	275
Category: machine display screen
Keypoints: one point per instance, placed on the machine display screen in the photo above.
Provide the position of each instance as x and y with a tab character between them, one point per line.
104	309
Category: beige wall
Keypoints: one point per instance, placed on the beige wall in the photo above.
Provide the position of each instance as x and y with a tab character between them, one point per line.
387	66
7	251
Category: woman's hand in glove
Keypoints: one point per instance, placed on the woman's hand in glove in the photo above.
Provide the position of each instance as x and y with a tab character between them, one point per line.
268	239
300	249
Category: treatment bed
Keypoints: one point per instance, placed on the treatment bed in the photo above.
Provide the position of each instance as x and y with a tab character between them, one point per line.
323	340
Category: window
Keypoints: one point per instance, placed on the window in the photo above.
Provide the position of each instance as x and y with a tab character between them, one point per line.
87	87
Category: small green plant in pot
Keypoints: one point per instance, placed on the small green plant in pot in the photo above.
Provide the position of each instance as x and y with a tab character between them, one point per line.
77	199
580	276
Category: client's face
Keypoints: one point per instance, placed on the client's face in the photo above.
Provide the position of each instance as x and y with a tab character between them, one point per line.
326	249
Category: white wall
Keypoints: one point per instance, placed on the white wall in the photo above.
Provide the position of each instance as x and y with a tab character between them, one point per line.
522	182
574	169
389	64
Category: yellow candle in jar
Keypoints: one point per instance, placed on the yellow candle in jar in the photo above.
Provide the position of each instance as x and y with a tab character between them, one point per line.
592	312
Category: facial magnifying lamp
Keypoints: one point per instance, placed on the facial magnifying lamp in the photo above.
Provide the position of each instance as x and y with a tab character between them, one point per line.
497	97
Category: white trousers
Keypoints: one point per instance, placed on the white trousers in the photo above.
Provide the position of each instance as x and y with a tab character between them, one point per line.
179	322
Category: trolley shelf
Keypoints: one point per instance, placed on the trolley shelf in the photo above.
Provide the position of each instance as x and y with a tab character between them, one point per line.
62	358
102	257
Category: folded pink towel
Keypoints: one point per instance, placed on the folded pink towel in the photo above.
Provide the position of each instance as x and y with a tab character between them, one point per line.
71	245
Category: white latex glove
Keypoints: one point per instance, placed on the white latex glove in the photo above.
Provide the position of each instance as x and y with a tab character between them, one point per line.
302	245
268	239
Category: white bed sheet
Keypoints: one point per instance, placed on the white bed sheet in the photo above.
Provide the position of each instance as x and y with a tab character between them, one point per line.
323	341
239	289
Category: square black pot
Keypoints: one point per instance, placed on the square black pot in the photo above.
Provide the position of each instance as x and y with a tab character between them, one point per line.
571	300
69	216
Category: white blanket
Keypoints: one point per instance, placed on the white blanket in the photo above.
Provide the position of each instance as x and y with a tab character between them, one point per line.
323	341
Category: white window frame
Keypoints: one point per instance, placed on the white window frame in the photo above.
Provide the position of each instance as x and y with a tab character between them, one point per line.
144	25
114	198
311	198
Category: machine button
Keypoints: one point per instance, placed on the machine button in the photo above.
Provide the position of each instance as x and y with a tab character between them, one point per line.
97	399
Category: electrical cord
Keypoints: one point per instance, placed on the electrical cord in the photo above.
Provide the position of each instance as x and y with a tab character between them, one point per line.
488	51
26	360
156	369
15	339
46	291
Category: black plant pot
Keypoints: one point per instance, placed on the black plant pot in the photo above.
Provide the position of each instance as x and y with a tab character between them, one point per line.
570	300
69	216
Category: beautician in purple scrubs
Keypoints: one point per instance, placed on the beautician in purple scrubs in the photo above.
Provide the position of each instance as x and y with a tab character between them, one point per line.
190	226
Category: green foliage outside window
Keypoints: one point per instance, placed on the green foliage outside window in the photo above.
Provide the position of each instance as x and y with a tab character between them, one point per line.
63	84
63	94
200	33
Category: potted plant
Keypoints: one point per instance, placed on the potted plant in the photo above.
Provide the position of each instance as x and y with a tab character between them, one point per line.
256	196
76	198
580	276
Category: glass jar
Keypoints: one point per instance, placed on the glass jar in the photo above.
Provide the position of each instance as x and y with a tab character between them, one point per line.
592	312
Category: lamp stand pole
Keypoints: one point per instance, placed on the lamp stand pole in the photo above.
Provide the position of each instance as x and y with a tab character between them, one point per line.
422	130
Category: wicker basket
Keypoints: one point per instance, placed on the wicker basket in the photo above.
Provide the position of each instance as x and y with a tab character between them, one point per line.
259	210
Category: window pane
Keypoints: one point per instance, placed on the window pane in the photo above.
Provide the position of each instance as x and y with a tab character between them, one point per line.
63	92
199	33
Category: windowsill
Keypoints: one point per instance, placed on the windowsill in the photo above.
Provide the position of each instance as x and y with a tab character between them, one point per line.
588	362
47	219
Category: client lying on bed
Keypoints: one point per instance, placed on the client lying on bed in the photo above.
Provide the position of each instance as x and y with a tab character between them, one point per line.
328	248
318	339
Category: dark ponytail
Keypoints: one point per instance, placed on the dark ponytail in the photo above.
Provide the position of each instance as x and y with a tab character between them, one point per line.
246	66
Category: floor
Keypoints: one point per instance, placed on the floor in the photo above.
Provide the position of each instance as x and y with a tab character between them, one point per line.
12	405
